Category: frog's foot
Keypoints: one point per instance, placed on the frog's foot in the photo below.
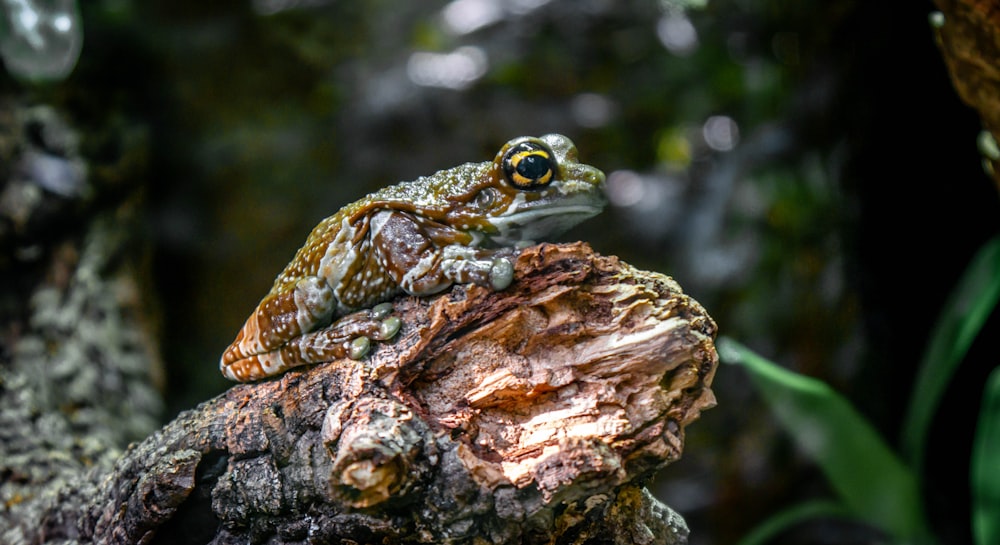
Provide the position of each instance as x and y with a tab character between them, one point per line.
348	337
359	346
501	273
490	268
352	335
502	267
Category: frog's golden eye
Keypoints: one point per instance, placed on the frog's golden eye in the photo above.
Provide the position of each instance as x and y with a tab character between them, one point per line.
529	166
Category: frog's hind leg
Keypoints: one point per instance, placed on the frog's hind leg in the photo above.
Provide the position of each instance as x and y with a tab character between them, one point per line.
349	336
281	316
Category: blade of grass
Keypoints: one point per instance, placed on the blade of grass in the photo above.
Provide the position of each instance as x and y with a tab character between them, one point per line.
870	479
783	520
985	471
963	315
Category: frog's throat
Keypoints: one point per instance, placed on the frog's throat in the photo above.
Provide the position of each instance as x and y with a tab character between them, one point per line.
538	223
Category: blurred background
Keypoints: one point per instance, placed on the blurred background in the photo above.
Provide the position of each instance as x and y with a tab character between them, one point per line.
803	169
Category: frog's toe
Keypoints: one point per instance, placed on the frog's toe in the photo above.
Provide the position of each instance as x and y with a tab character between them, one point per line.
501	273
389	327
381	310
359	348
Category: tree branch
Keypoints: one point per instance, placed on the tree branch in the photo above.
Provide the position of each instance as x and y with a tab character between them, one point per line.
530	415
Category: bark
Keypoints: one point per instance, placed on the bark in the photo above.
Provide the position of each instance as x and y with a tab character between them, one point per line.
78	349
969	38
531	415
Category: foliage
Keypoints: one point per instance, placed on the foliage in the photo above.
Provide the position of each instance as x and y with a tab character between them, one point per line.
872	483
984	474
971	303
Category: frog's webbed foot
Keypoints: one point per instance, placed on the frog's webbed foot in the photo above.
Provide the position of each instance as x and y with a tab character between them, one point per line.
361	328
347	337
350	336
464	265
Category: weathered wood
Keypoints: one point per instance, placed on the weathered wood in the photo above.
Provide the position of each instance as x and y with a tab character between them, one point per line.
531	415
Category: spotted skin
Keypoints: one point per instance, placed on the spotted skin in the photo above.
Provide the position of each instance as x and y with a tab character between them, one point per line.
456	226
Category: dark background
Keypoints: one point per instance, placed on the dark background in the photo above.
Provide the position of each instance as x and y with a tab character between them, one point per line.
824	225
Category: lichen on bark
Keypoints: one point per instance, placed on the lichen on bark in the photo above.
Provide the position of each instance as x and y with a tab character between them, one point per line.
77	343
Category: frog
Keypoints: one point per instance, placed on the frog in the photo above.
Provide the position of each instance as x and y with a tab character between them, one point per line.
462	225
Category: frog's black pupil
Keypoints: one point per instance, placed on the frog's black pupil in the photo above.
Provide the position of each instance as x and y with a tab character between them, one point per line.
533	167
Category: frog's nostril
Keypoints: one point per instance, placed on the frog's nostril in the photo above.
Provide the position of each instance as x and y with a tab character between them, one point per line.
587	174
597	177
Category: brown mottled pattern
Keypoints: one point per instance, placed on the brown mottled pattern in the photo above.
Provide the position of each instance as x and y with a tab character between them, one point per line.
345	255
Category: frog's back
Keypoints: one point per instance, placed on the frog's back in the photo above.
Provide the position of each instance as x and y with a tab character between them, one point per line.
333	230
426	196
431	195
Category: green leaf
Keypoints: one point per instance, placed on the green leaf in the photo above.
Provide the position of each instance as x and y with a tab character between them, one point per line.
870	479
985	471
964	314
778	523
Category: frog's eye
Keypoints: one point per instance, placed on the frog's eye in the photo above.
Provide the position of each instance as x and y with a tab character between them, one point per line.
528	166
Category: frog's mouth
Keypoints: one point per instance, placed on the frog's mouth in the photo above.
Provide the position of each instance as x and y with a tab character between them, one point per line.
532	221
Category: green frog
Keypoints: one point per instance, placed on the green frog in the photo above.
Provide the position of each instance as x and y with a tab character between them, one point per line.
460	225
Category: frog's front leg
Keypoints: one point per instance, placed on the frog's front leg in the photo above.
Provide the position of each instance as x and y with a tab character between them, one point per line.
424	257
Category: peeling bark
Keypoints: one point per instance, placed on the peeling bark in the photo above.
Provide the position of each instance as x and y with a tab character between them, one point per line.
531	415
